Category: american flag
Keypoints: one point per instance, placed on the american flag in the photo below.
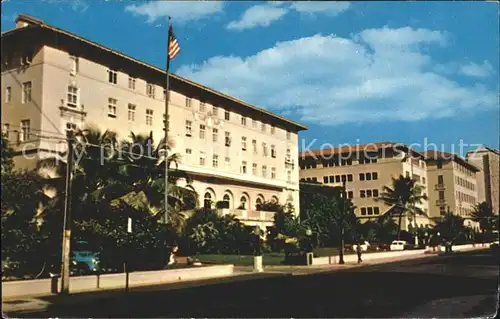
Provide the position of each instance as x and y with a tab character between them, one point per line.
173	46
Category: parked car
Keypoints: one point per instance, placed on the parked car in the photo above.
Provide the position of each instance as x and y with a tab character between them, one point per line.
399	245
85	261
364	246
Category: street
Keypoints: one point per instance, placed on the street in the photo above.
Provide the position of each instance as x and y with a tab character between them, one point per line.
459	285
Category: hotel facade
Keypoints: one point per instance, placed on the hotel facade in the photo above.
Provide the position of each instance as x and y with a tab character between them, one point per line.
366	169
235	152
488	178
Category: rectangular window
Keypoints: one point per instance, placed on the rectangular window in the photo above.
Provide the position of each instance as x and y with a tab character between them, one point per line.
244	143
325	179
112	107
375	193
368	177
264	149
243	121
344	178
189	128
254	169
202	131
227	160
273	129
349	177
26	93
74	65
131	83
442	211
370	210
202	107
361	176
350	194
215	160
332	179
202	159
273	172
112	76
188	102
337	178
149	117
150	90
273	151
289	176
215	135
227	139
131	112
263	127
288	156
8	94
441	195
362	194
376	211
25	131
368	193
72	96
254	146
288	135
243	167
439	164
363	211
374	176
264	171
254	123
440	179
6	129
215	110
227	115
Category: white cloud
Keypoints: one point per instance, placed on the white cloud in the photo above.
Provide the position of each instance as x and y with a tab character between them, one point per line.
76	5
332	8
262	15
477	70
259	15
376	75
180	11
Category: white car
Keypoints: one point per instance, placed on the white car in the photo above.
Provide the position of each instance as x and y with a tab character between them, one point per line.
398	245
364	246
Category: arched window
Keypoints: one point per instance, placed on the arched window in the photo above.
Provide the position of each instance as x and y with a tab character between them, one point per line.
207	203
243	202
258	202
226	200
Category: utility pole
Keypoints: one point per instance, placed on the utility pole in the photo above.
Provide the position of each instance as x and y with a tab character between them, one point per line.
66	240
342	215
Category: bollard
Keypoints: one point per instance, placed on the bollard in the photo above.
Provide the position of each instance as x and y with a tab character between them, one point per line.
54	283
257	264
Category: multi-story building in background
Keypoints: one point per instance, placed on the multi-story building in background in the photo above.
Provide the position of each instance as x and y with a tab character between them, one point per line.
452	185
366	169
488	178
54	80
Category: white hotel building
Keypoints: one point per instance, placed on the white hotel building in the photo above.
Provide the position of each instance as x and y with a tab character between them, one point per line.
53	80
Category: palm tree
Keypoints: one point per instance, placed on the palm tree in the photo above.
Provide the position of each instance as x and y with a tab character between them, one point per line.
483	214
403	197
141	180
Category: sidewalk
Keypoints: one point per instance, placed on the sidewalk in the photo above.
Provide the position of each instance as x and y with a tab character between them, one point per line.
242	273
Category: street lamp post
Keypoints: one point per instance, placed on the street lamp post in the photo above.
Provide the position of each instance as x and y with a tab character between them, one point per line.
342	215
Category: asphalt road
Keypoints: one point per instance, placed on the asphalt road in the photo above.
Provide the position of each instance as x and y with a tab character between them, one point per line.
456	286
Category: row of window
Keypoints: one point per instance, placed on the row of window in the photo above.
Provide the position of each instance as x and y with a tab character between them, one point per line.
337	162
368	211
25	93
465	197
243	168
368	193
465	183
208	201
463	169
337	178
24	132
417	178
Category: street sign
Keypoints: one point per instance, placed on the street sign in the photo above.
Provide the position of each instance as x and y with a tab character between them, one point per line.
129	225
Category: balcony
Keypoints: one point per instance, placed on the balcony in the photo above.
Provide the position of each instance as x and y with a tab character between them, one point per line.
439	187
440	202
289	162
249	215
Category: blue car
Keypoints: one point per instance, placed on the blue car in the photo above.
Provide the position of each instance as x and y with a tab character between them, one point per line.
84	260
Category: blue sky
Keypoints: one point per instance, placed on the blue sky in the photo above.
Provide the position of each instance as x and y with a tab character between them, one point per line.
355	72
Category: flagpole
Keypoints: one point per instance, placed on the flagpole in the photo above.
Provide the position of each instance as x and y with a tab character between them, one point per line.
167	96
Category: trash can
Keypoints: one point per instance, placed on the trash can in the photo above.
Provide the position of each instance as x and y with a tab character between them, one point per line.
54	283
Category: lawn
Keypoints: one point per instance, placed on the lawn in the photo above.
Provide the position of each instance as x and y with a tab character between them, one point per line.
268	259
